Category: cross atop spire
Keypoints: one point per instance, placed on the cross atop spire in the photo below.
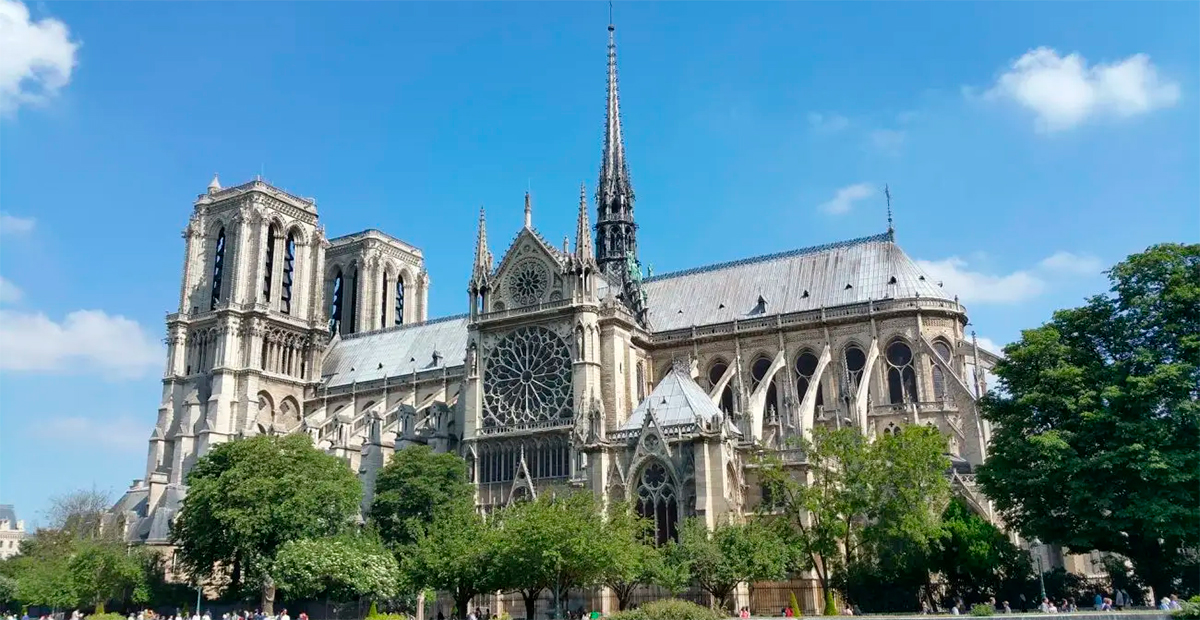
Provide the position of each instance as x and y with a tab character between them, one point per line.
615	228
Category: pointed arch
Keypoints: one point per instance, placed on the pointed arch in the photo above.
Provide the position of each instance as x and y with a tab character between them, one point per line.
218	269
398	296
289	272
806	370
337	301
269	261
716	370
855	360
901	374
943	351
656	496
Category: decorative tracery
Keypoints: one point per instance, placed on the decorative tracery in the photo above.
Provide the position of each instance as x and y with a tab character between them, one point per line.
806	368
657	501
939	377
528	283
527	379
715	372
902	379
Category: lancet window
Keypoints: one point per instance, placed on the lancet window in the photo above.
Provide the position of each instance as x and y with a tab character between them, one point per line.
856	361
806	369
715	372
758	371
399	300
939	376
335	311
352	320
218	270
546	458
289	270
269	263
901	377
657	501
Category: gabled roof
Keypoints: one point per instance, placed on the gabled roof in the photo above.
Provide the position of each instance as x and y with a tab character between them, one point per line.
396	351
676	401
837	274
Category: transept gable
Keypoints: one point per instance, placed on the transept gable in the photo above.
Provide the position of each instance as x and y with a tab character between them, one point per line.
530	273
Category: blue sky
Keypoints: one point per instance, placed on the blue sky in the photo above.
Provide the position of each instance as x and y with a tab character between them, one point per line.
1027	145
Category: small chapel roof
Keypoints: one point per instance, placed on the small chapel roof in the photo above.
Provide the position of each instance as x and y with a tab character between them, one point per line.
677	400
838	274
397	351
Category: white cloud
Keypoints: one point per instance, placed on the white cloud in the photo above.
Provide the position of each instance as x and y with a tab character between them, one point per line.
1063	92
121	434
85	341
988	344
9	292
887	141
827	123
975	286
1067	263
845	198
36	56
13	225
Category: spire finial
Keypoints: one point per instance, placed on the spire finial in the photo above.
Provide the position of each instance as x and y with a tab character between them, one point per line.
610	18
483	256
616	231
528	212
583	229
887	193
215	184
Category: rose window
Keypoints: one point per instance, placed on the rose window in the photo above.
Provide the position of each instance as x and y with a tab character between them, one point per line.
528	282
527	379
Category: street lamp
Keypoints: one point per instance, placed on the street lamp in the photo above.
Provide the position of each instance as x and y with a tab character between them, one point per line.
1038	557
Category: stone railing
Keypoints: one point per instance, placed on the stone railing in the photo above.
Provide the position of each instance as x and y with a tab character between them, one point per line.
510	312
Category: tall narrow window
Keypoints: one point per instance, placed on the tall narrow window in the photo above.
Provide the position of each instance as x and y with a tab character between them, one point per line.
902	379
218	270
806	368
289	270
383	303
657	503
939	377
335	311
641	381
352	320
269	265
856	361
399	299
715	372
758	371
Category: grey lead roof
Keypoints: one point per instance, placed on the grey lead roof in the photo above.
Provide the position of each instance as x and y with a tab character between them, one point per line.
826	276
397	351
676	400
8	514
804	279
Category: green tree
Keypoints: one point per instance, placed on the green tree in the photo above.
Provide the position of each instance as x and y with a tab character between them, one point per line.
729	554
341	568
976	559
671	569
105	570
1096	422
415	484
248	497
630	561
455	554
552	543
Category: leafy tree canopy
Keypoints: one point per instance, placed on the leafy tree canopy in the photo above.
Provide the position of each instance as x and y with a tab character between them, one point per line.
341	568
1096	422
455	554
631	561
249	497
414	485
729	554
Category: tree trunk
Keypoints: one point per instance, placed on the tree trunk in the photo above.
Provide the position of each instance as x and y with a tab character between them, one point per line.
421	605
462	600
530	598
268	596
235	580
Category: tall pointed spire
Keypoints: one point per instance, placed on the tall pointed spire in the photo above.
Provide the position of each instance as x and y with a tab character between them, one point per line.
615	228
528	212
483	256
583	228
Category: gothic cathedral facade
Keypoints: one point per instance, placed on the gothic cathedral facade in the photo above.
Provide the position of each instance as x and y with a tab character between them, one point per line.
571	367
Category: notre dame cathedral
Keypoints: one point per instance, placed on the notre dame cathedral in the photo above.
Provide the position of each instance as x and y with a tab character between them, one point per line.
570	366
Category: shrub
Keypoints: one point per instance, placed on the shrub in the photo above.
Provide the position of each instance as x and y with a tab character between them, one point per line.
1188	610
373	611
379	616
669	609
830	604
982	609
106	616
794	604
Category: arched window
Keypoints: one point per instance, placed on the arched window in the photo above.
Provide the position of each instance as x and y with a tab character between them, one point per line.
335	311
289	269
383	303
806	367
399	299
641	381
218	270
856	361
269	265
352	308
891	430
715	372
902	379
657	502
758	371
939	377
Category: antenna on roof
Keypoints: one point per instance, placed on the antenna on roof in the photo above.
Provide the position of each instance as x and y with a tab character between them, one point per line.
887	193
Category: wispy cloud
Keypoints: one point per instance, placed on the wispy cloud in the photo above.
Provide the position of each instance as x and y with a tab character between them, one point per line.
121	434
36	57
843	200
887	141
85	341
1064	92
14	225
974	286
9	292
827	123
